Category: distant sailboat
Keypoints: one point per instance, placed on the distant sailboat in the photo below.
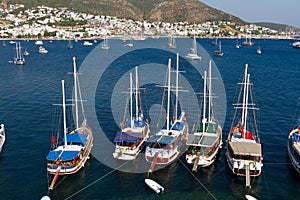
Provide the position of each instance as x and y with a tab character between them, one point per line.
237	43
193	51
70	46
105	44
215	42
219	52
258	50
171	43
248	42
19	59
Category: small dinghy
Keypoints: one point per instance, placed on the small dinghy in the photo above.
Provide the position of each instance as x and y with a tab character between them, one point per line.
154	186
249	197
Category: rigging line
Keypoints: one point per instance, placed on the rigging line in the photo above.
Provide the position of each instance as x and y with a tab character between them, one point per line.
198	180
89	185
267	186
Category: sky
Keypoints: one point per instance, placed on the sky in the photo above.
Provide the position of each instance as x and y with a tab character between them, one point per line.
277	11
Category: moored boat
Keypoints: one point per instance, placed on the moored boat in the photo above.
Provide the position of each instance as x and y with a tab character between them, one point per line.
69	155
19	59
244	151
42	50
293	146
204	144
219	52
167	145
296	45
130	140
2	136
38	42
193	54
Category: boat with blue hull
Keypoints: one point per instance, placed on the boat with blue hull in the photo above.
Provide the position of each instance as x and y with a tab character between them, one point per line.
69	154
134	132
293	146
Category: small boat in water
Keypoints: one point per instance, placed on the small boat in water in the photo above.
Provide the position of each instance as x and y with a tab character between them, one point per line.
38	42
2	136
171	43
130	140
204	144
248	42
214	43
258	50
42	50
19	59
193	51
219	52
294	146
244	151
105	44
26	53
154	186
69	154
87	43
167	145
296	45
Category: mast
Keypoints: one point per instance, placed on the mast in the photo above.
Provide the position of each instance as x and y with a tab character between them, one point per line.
244	94
220	46
177	79
75	93
246	106
136	94
64	111
209	91
204	102
169	93
195	44
17	50
130	85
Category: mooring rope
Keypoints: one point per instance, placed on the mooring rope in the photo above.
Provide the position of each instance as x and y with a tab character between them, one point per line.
89	185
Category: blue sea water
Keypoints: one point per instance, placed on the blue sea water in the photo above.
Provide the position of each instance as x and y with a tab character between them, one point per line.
28	92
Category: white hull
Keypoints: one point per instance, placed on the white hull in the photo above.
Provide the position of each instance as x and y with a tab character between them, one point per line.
154	186
2	136
293	154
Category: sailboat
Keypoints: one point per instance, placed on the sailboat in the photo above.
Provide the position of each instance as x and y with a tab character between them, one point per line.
247	42
237	45
105	44
130	140
215	42
258	50
19	59
293	145
244	152
70	46
69	155
165	146
193	51
204	144
3	43
171	43
219	52
2	136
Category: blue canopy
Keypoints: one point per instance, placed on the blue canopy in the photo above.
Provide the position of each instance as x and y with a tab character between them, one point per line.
178	126
127	136
77	138
161	139
63	155
139	123
296	137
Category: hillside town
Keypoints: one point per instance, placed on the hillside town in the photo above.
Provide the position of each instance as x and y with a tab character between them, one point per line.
60	23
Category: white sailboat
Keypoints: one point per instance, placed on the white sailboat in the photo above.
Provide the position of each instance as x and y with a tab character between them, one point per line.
165	146
105	44
204	144
258	50
129	141
171	42
248	42
42	50
19	58
193	51
244	152
293	145
2	136
69	155
237	45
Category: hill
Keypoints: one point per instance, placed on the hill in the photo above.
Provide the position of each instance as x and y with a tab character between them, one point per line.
278	27
192	11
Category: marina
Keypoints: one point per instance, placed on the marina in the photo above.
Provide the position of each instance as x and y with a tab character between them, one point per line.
28	93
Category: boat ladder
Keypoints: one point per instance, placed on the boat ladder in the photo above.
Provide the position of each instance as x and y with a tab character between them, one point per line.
154	162
247	175
55	178
195	167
